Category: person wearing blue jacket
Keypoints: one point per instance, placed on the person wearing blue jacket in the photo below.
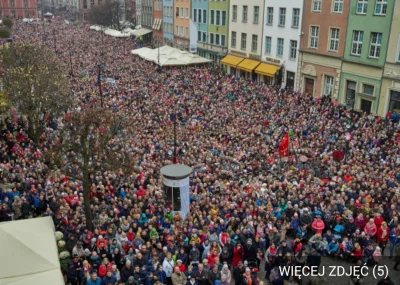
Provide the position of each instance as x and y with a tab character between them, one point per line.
394	240
109	279
333	248
94	279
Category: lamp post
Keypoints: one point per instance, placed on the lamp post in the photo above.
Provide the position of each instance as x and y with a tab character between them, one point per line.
55	40
99	83
174	153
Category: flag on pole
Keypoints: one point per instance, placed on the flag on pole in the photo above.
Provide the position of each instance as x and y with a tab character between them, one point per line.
284	146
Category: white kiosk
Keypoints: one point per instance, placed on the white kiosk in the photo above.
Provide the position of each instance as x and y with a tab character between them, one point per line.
176	187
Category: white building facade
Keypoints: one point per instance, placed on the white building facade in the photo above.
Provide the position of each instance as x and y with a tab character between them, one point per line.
245	36
281	38
138	12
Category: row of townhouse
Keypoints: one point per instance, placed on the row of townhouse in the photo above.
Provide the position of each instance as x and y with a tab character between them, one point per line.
346	49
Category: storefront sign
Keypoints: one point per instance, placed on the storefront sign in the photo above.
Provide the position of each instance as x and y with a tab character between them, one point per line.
254	56
239	53
270	59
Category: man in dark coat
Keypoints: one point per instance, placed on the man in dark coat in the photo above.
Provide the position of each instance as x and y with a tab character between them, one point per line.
238	273
250	250
201	275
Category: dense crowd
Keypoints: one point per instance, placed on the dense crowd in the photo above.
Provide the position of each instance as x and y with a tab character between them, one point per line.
335	194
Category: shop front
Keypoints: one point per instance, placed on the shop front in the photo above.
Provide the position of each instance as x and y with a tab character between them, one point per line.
246	68
266	72
230	62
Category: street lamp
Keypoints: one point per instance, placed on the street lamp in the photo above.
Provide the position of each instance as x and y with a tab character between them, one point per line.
99	67
174	151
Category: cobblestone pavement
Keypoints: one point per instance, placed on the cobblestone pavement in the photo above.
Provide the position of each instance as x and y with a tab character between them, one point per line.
344	280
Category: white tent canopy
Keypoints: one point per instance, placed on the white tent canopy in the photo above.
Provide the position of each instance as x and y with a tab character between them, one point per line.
169	56
115	33
141	32
31	251
96	28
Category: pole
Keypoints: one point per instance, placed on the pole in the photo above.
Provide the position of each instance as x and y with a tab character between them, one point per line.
99	82
175	160
55	43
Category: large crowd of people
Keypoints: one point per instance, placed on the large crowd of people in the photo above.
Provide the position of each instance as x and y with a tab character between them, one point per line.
335	194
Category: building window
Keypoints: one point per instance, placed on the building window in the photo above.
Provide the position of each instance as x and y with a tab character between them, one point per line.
328	86
187	32
282	16
337	6
368	89
381	6
375	47
177	11
177	30
199	36
218	21
270	15
243	41
314	37
222	40
394	104
254	40
293	49
279	50
181	13
358	37
187	13
223	18
244	15
316	6
212	17
211	38
217	40
296	18
181	29
334	39
362	6
268	43
204	16
204	37
233	39
256	14
234	13
26	5
195	15
199	19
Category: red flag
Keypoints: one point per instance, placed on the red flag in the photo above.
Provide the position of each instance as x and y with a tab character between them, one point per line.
284	146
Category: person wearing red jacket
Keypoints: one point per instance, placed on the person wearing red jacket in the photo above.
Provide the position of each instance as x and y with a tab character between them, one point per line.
104	267
382	236
370	228
318	225
357	252
360	222
378	220
211	257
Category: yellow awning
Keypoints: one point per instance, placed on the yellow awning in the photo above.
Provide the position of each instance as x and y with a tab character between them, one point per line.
267	69
231	60
248	65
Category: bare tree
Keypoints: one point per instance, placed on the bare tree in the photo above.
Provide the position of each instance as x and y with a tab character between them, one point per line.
111	14
34	84
95	141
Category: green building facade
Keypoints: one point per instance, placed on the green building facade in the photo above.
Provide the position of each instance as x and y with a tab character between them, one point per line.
366	45
218	30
